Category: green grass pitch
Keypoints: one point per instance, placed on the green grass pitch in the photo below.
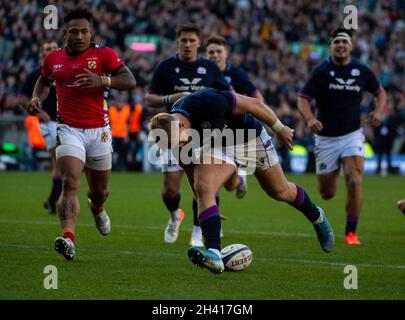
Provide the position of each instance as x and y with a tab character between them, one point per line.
133	262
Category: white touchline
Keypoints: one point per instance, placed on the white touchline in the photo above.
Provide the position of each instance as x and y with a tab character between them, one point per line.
129	252
164	253
158	227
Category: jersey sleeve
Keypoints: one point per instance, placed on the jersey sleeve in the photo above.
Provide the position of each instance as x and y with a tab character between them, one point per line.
46	70
310	90
111	60
157	85
248	87
208	103
372	84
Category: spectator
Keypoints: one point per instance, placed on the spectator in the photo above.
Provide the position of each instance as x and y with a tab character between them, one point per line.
119	119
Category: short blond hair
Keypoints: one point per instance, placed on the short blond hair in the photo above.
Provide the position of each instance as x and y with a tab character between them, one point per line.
163	121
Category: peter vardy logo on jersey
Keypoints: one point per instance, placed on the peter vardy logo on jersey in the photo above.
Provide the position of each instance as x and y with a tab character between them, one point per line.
344	85
348	81
177	70
189	85
228	79
201	70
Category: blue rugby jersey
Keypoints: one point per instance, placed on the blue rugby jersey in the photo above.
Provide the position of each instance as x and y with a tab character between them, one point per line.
173	75
214	109
50	103
239	80
338	91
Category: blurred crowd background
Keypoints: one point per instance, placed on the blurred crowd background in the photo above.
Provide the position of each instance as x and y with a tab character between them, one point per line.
277	42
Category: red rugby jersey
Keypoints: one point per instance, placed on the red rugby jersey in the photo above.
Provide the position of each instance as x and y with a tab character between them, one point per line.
80	107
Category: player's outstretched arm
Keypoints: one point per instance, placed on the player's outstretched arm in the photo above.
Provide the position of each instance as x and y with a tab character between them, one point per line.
264	113
154	100
157	101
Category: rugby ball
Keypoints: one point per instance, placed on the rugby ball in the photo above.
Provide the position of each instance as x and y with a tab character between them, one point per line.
236	257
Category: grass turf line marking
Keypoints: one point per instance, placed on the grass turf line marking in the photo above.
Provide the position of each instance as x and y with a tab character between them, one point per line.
89	225
263	259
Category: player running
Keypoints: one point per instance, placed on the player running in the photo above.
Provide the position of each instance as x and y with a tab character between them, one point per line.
47	118
337	86
216	50
214	164
82	72
173	78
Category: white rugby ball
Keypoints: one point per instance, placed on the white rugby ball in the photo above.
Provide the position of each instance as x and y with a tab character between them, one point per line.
236	257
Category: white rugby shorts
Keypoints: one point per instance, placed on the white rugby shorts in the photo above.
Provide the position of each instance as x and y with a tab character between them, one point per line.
168	162
92	146
253	156
48	131
330	150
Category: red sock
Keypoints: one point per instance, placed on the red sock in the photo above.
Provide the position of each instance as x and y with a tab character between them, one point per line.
69	235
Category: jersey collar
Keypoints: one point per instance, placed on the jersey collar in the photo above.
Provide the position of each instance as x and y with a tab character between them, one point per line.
176	57
330	61
92	45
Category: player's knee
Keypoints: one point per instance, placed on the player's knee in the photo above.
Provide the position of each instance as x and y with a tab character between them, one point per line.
353	181
70	184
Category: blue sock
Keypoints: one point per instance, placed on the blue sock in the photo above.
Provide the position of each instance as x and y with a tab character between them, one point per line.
172	204
351	224
56	189
211	227
195	209
304	204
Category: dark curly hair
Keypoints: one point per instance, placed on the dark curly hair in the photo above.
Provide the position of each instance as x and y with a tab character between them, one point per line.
79	13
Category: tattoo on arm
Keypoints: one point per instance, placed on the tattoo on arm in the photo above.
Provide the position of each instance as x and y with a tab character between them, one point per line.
123	79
